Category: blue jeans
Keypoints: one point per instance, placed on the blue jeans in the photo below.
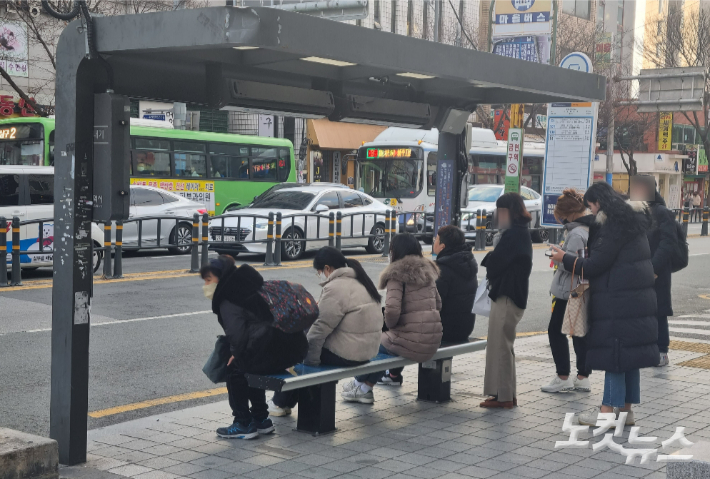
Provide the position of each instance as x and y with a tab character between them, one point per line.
621	388
372	378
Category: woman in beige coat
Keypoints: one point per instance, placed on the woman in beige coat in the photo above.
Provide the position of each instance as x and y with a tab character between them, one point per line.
412	322
347	331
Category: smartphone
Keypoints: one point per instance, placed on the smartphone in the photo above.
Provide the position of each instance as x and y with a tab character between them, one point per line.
548	253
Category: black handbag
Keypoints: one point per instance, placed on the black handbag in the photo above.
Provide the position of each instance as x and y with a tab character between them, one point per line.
216	366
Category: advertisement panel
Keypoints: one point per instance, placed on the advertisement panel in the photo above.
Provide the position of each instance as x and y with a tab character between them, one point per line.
665	127
516	17
501	124
13	48
702	160
200	191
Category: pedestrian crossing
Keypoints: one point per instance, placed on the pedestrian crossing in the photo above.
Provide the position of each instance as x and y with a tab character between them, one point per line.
690	326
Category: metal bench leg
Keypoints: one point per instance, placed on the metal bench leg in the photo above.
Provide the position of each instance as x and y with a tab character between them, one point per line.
316	409
435	381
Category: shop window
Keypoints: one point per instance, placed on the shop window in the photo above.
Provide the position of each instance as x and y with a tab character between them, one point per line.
578	8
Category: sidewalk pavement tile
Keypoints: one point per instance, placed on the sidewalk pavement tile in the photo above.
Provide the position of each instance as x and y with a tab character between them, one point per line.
399	437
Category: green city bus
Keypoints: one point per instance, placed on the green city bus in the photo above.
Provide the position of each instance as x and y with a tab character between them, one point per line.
220	170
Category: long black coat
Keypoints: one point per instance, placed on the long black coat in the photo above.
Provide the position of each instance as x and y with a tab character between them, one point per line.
256	345
457	286
663	240
509	265
622	315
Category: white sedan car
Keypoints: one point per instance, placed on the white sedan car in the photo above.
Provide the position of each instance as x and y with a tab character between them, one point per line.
146	202
305	221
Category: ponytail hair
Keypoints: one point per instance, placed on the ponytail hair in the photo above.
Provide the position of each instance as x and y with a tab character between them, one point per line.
329	256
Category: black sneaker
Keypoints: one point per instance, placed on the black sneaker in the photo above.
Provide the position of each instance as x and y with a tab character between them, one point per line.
389	380
238	431
263	427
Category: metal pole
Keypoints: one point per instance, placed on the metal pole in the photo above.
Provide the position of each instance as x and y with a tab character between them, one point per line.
16	279
386	249
703	228
3	251
479	235
269	260
107	250
484	227
610	151
331	229
118	257
277	244
194	250
206	239
686	215
338	229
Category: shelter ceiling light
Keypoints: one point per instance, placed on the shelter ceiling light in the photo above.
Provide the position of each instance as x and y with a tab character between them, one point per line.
245	47
328	61
418	76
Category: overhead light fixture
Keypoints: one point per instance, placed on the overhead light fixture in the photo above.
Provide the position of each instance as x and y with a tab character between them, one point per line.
273	98
245	47
418	76
328	61
381	111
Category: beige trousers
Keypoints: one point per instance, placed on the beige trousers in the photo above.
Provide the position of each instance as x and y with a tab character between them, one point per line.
500	357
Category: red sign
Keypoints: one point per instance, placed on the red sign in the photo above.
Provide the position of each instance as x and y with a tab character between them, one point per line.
501	124
8	107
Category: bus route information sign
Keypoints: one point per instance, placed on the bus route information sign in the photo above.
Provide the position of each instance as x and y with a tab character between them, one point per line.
514	155
444	193
569	150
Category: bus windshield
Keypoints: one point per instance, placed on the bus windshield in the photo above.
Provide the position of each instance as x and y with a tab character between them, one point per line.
392	178
21	144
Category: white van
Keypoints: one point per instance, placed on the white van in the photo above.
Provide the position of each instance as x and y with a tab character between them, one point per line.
28	193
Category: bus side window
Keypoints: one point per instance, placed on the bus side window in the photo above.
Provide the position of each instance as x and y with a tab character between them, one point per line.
51	148
431	174
284	164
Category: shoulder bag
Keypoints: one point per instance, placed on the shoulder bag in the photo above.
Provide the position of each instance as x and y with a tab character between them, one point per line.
576	319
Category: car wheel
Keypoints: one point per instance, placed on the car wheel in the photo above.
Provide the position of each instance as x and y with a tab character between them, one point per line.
184	239
292	250
540	235
96	257
233	254
376	244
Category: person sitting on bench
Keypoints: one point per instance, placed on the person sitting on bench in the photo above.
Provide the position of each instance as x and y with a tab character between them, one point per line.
347	331
413	325
256	346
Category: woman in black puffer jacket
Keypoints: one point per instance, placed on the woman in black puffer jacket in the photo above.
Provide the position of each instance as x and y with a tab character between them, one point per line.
623	329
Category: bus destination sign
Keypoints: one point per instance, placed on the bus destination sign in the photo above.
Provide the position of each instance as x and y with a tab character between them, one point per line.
389	152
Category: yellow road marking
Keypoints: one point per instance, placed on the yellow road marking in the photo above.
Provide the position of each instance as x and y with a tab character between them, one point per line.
157	402
704	296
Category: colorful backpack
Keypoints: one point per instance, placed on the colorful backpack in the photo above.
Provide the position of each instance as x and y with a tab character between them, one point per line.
293	308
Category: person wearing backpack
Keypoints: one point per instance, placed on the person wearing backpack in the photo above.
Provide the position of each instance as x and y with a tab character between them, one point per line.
573	214
256	345
663	240
347	331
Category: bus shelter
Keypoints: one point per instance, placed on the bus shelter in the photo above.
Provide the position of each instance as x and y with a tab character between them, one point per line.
265	60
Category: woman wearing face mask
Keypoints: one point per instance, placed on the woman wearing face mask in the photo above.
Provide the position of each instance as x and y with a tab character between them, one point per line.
347	331
573	214
411	315
256	346
508	269
622	308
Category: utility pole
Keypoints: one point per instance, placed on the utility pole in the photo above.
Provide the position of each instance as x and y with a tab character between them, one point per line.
437	21
610	148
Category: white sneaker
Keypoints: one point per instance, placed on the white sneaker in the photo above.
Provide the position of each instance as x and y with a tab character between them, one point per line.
664	360
558	385
630	420
350	385
274	410
358	395
582	384
590	417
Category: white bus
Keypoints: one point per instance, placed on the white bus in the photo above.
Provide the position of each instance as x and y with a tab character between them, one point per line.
399	166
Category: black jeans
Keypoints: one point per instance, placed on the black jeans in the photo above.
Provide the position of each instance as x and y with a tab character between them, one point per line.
374	377
560	346
289	399
240	395
663	334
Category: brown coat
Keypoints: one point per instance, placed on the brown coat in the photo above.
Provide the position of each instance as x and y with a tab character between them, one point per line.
412	308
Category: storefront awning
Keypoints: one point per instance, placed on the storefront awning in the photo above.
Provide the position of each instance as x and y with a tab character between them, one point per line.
340	135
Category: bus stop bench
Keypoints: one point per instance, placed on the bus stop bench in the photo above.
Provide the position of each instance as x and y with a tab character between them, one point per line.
316	385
